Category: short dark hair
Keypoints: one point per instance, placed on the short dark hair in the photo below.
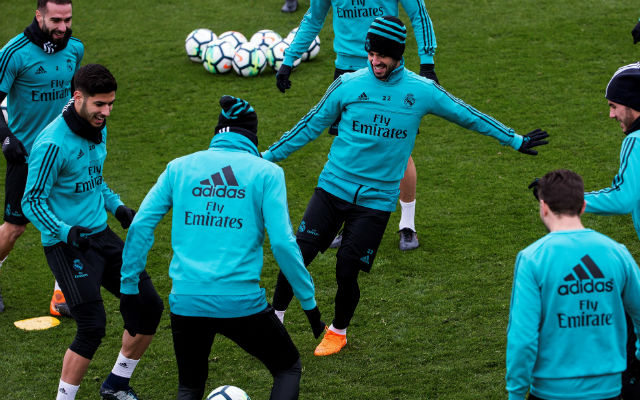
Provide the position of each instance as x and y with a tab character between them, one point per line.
42	4
563	191
92	79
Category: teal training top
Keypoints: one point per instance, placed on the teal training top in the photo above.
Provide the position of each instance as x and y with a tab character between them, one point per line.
378	127
567	335
38	85
222	200
65	186
623	196
351	21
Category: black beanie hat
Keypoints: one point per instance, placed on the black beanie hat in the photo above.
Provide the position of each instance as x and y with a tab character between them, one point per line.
624	86
386	35
237	113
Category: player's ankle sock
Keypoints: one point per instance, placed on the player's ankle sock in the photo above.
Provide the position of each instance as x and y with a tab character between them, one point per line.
280	315
56	286
3	260
121	373
407	215
338	331
66	391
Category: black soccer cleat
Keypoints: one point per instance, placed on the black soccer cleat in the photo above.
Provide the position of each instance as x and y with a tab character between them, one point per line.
289	6
109	394
408	239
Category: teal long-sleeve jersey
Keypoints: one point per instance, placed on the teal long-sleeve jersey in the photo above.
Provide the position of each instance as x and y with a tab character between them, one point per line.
222	200
38	85
623	196
351	21
567	337
377	131
65	185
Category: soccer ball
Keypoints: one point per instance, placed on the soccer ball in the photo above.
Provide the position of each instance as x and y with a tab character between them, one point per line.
312	52
265	38
228	392
196	42
291	35
218	57
275	55
249	60
233	37
4	110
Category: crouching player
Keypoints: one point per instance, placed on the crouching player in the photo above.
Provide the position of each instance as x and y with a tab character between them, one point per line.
223	198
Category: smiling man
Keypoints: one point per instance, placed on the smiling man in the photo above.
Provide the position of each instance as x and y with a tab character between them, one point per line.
36	68
67	199
380	108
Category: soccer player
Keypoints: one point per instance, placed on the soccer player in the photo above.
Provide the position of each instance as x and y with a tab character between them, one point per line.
380	107
350	23
66	198
36	68
623	196
567	330
223	199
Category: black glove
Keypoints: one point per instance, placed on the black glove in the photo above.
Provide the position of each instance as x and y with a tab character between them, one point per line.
533	139
14	150
282	78
125	215
534	185
130	308
636	33
317	326
428	71
78	237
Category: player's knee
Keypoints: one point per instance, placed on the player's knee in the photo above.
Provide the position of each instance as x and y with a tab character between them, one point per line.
91	321
147	318
309	251
347	269
13	231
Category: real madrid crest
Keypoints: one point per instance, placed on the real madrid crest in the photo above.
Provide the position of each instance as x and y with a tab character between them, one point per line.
409	100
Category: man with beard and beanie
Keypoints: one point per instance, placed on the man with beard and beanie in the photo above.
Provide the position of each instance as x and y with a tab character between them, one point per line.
623	196
36	68
350	24
67	199
223	199
567	330
380	108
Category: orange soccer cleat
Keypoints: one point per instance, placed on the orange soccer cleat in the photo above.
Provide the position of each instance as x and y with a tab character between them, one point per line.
331	344
58	306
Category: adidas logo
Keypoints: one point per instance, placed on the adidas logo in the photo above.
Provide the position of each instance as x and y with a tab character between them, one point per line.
123	365
61	390
366	259
363	97
40	70
80	154
214	186
589	280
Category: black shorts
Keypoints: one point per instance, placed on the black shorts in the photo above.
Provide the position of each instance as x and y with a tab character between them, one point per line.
362	232
15	182
262	335
80	274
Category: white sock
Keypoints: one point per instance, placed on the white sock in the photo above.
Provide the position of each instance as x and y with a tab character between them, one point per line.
280	315
407	215
3	260
124	366
66	391
55	286
338	331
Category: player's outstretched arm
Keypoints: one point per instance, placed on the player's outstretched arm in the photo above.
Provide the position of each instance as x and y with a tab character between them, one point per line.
533	139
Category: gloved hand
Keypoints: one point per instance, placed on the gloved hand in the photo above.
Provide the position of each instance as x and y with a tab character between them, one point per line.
282	78
78	237
130	308
636	33
428	71
14	150
533	139
125	215
317	326
534	185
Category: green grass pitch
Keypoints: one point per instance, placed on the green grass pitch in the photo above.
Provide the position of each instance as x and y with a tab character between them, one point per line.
431	323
